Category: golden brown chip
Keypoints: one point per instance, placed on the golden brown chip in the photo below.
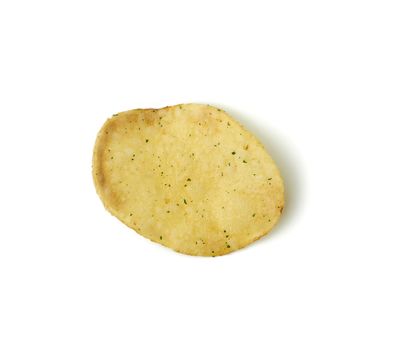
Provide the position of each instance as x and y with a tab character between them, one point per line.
188	177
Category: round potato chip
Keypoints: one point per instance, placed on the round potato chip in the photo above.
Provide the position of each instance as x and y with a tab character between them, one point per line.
188	177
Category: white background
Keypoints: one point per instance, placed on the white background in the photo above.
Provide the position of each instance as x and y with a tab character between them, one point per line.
316	81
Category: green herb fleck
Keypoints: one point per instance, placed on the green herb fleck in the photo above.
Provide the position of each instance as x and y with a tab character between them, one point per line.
189	179
184	201
253	215
244	161
147	140
161	238
233	153
269	178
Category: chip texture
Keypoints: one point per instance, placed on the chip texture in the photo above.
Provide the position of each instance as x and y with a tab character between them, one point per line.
188	177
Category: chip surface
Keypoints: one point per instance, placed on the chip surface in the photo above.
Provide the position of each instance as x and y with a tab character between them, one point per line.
188	177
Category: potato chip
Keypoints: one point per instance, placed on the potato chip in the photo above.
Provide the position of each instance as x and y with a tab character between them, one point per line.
188	177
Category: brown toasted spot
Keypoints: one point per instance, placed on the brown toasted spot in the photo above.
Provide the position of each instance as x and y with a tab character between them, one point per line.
150	118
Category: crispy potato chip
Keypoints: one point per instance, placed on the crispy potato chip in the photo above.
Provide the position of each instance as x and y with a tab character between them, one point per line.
188	177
